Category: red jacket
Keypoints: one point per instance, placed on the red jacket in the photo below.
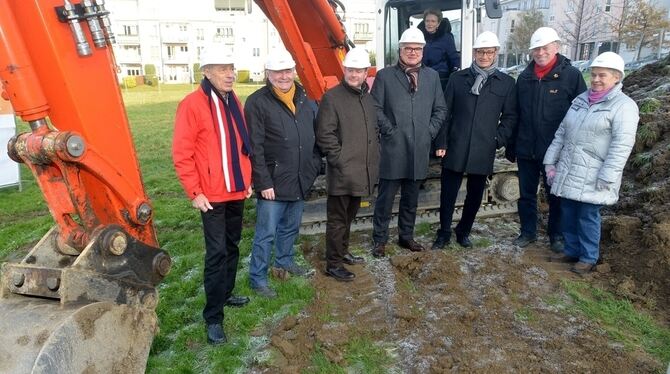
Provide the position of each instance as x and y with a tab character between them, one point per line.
196	151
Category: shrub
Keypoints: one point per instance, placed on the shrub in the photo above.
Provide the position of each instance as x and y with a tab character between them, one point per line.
650	105
129	82
151	80
197	73
243	76
149	69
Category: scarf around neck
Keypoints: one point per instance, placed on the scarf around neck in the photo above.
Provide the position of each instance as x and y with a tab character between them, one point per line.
412	73
540	71
229	123
286	97
595	97
481	75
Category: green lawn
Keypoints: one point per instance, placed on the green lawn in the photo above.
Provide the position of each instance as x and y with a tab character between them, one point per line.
180	347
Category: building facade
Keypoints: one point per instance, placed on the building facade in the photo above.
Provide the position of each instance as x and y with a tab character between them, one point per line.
170	35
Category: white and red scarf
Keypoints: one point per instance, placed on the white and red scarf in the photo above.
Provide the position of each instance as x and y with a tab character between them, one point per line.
230	125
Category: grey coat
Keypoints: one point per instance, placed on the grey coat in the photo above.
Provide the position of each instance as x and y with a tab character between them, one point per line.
593	142
408	122
346	132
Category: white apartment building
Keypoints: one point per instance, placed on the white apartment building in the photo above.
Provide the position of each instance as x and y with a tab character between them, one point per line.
171	34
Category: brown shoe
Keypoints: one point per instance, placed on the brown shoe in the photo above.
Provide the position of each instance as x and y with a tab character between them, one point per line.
562	258
411	245
379	250
582	268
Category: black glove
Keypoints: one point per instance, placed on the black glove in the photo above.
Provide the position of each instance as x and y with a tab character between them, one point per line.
510	153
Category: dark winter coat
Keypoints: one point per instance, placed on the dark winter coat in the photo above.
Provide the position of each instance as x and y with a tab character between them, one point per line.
542	105
440	51
477	125
284	154
346	133
408	122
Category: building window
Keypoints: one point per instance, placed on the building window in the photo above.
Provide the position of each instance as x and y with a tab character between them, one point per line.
256	52
361	27
511	27
551	17
608	5
200	34
183	48
183	28
130	30
544	4
133	72
224	31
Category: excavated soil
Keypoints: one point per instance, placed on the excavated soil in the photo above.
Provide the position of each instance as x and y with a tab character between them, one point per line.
498	308
486	310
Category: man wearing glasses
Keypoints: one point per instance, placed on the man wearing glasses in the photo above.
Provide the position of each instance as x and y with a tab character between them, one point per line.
545	90
410	111
481	117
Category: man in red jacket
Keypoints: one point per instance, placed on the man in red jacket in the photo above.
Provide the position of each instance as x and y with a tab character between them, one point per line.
211	152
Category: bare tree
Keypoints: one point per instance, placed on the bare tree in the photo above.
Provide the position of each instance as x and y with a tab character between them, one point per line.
581	23
619	15
528	22
645	22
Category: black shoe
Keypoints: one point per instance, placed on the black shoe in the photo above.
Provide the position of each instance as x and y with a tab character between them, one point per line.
379	250
350	259
411	244
524	241
440	242
463	241
215	334
341	274
237	301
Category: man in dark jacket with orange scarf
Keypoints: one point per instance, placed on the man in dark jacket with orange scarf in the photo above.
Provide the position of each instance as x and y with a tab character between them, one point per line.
211	151
545	90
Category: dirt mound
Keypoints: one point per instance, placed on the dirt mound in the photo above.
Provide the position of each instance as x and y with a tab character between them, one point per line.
636	231
488	310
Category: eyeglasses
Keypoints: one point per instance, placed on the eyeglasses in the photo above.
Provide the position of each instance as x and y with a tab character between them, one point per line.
479	52
410	50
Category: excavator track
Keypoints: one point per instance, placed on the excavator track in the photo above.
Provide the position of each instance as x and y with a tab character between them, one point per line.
500	197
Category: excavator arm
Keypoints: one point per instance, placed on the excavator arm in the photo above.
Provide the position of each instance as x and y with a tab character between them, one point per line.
315	36
84	296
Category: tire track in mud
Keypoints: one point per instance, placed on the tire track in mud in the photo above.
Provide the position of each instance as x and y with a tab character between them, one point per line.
478	311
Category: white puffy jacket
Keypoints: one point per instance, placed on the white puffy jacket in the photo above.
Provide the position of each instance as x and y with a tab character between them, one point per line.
593	142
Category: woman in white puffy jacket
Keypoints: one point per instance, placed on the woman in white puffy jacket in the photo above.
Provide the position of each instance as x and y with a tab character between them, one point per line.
585	161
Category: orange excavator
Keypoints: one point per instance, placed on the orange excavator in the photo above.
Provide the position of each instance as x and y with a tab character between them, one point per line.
83	299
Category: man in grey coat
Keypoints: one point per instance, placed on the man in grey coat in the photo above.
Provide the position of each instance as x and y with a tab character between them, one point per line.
347	134
410	112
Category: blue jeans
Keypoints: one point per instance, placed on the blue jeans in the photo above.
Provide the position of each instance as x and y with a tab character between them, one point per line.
530	172
581	230
277	222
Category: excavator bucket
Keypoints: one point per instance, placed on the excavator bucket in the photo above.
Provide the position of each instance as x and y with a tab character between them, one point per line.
101	337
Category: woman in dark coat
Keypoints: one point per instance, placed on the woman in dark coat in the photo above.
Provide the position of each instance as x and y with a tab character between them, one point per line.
440	51
481	107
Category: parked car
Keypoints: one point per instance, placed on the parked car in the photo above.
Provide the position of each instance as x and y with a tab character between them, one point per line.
634	65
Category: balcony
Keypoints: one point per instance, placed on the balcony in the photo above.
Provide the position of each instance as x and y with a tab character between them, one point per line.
127	39
174	37
360	37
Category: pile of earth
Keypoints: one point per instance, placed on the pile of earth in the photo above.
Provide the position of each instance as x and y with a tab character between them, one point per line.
636	231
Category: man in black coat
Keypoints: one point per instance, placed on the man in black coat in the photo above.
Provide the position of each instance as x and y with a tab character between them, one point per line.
284	162
410	112
481	117
545	90
347	135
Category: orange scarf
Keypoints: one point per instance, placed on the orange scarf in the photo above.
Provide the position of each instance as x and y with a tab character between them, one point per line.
286	97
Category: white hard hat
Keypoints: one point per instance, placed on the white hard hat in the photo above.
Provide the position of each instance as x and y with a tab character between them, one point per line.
486	39
543	36
609	60
412	35
280	60
357	58
216	55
